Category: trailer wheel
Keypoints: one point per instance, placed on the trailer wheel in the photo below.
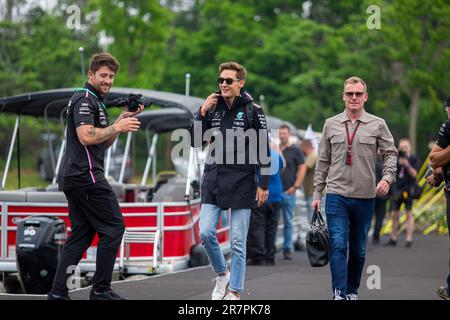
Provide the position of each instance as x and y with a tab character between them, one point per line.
197	256
11	284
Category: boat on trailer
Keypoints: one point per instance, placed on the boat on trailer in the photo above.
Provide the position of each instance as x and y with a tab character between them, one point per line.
161	219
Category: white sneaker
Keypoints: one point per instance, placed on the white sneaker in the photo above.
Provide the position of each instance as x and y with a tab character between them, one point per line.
231	296
352	296
337	295
221	286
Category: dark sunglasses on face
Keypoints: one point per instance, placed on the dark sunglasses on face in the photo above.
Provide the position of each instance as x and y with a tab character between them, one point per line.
357	94
228	81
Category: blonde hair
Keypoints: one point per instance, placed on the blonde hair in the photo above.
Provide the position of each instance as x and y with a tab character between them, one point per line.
354	80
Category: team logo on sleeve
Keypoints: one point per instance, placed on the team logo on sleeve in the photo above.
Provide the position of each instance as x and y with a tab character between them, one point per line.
84	109
262	121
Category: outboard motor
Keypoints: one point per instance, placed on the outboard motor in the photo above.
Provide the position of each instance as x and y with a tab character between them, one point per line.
39	241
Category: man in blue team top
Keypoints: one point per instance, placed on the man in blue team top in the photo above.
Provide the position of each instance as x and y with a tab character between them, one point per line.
230	177
263	222
93	206
440	162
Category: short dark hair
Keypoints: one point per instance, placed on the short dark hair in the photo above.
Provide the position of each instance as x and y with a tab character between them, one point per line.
285	126
102	59
307	143
447	104
241	73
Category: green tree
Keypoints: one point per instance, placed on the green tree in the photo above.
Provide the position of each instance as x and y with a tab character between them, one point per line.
416	37
223	31
138	33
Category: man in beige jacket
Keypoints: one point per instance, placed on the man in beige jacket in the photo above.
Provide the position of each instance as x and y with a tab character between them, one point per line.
346	166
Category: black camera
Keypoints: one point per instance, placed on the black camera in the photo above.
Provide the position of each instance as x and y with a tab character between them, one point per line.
401	154
132	102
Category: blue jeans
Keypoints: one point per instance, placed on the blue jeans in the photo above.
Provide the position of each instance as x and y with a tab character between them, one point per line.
309	210
239	224
288	209
348	222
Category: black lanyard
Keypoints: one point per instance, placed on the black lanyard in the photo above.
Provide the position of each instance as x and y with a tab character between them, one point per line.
348	154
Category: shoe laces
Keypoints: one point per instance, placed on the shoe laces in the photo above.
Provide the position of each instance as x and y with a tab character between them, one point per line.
337	295
352	296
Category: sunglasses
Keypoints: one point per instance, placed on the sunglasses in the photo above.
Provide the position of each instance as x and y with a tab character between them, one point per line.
357	94
228	81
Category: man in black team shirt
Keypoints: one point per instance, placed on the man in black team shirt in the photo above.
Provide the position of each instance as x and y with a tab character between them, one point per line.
93	206
440	162
292	178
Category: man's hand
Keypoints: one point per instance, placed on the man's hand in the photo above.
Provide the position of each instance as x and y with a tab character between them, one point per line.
261	196
127	125
403	161
438	173
315	205
382	188
291	190
435	179
128	114
210	102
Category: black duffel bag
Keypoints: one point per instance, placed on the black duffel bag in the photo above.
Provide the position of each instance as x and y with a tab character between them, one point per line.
318	241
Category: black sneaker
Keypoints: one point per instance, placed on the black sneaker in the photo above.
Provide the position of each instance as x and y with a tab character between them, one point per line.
287	255
105	295
52	296
271	262
391	243
408	244
253	262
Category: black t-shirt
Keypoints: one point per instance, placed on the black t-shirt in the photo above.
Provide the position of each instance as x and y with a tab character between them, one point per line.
294	158
443	141
404	181
83	165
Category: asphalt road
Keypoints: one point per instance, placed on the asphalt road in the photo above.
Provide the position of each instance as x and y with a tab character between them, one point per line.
404	274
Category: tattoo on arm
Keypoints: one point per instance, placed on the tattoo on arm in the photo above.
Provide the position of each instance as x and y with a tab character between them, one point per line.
91	131
101	135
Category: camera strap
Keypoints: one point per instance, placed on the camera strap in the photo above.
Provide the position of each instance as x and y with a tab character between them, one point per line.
348	154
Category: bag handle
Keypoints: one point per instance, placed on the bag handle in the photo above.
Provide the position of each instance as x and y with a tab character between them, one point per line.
317	216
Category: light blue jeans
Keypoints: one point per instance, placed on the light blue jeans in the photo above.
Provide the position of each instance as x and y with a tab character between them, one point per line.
309	210
288	209
239	224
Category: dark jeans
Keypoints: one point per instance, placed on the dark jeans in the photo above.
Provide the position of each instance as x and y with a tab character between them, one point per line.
92	210
380	212
348	222
447	196
262	231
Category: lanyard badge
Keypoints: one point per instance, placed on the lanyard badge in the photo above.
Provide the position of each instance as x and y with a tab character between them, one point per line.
348	154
